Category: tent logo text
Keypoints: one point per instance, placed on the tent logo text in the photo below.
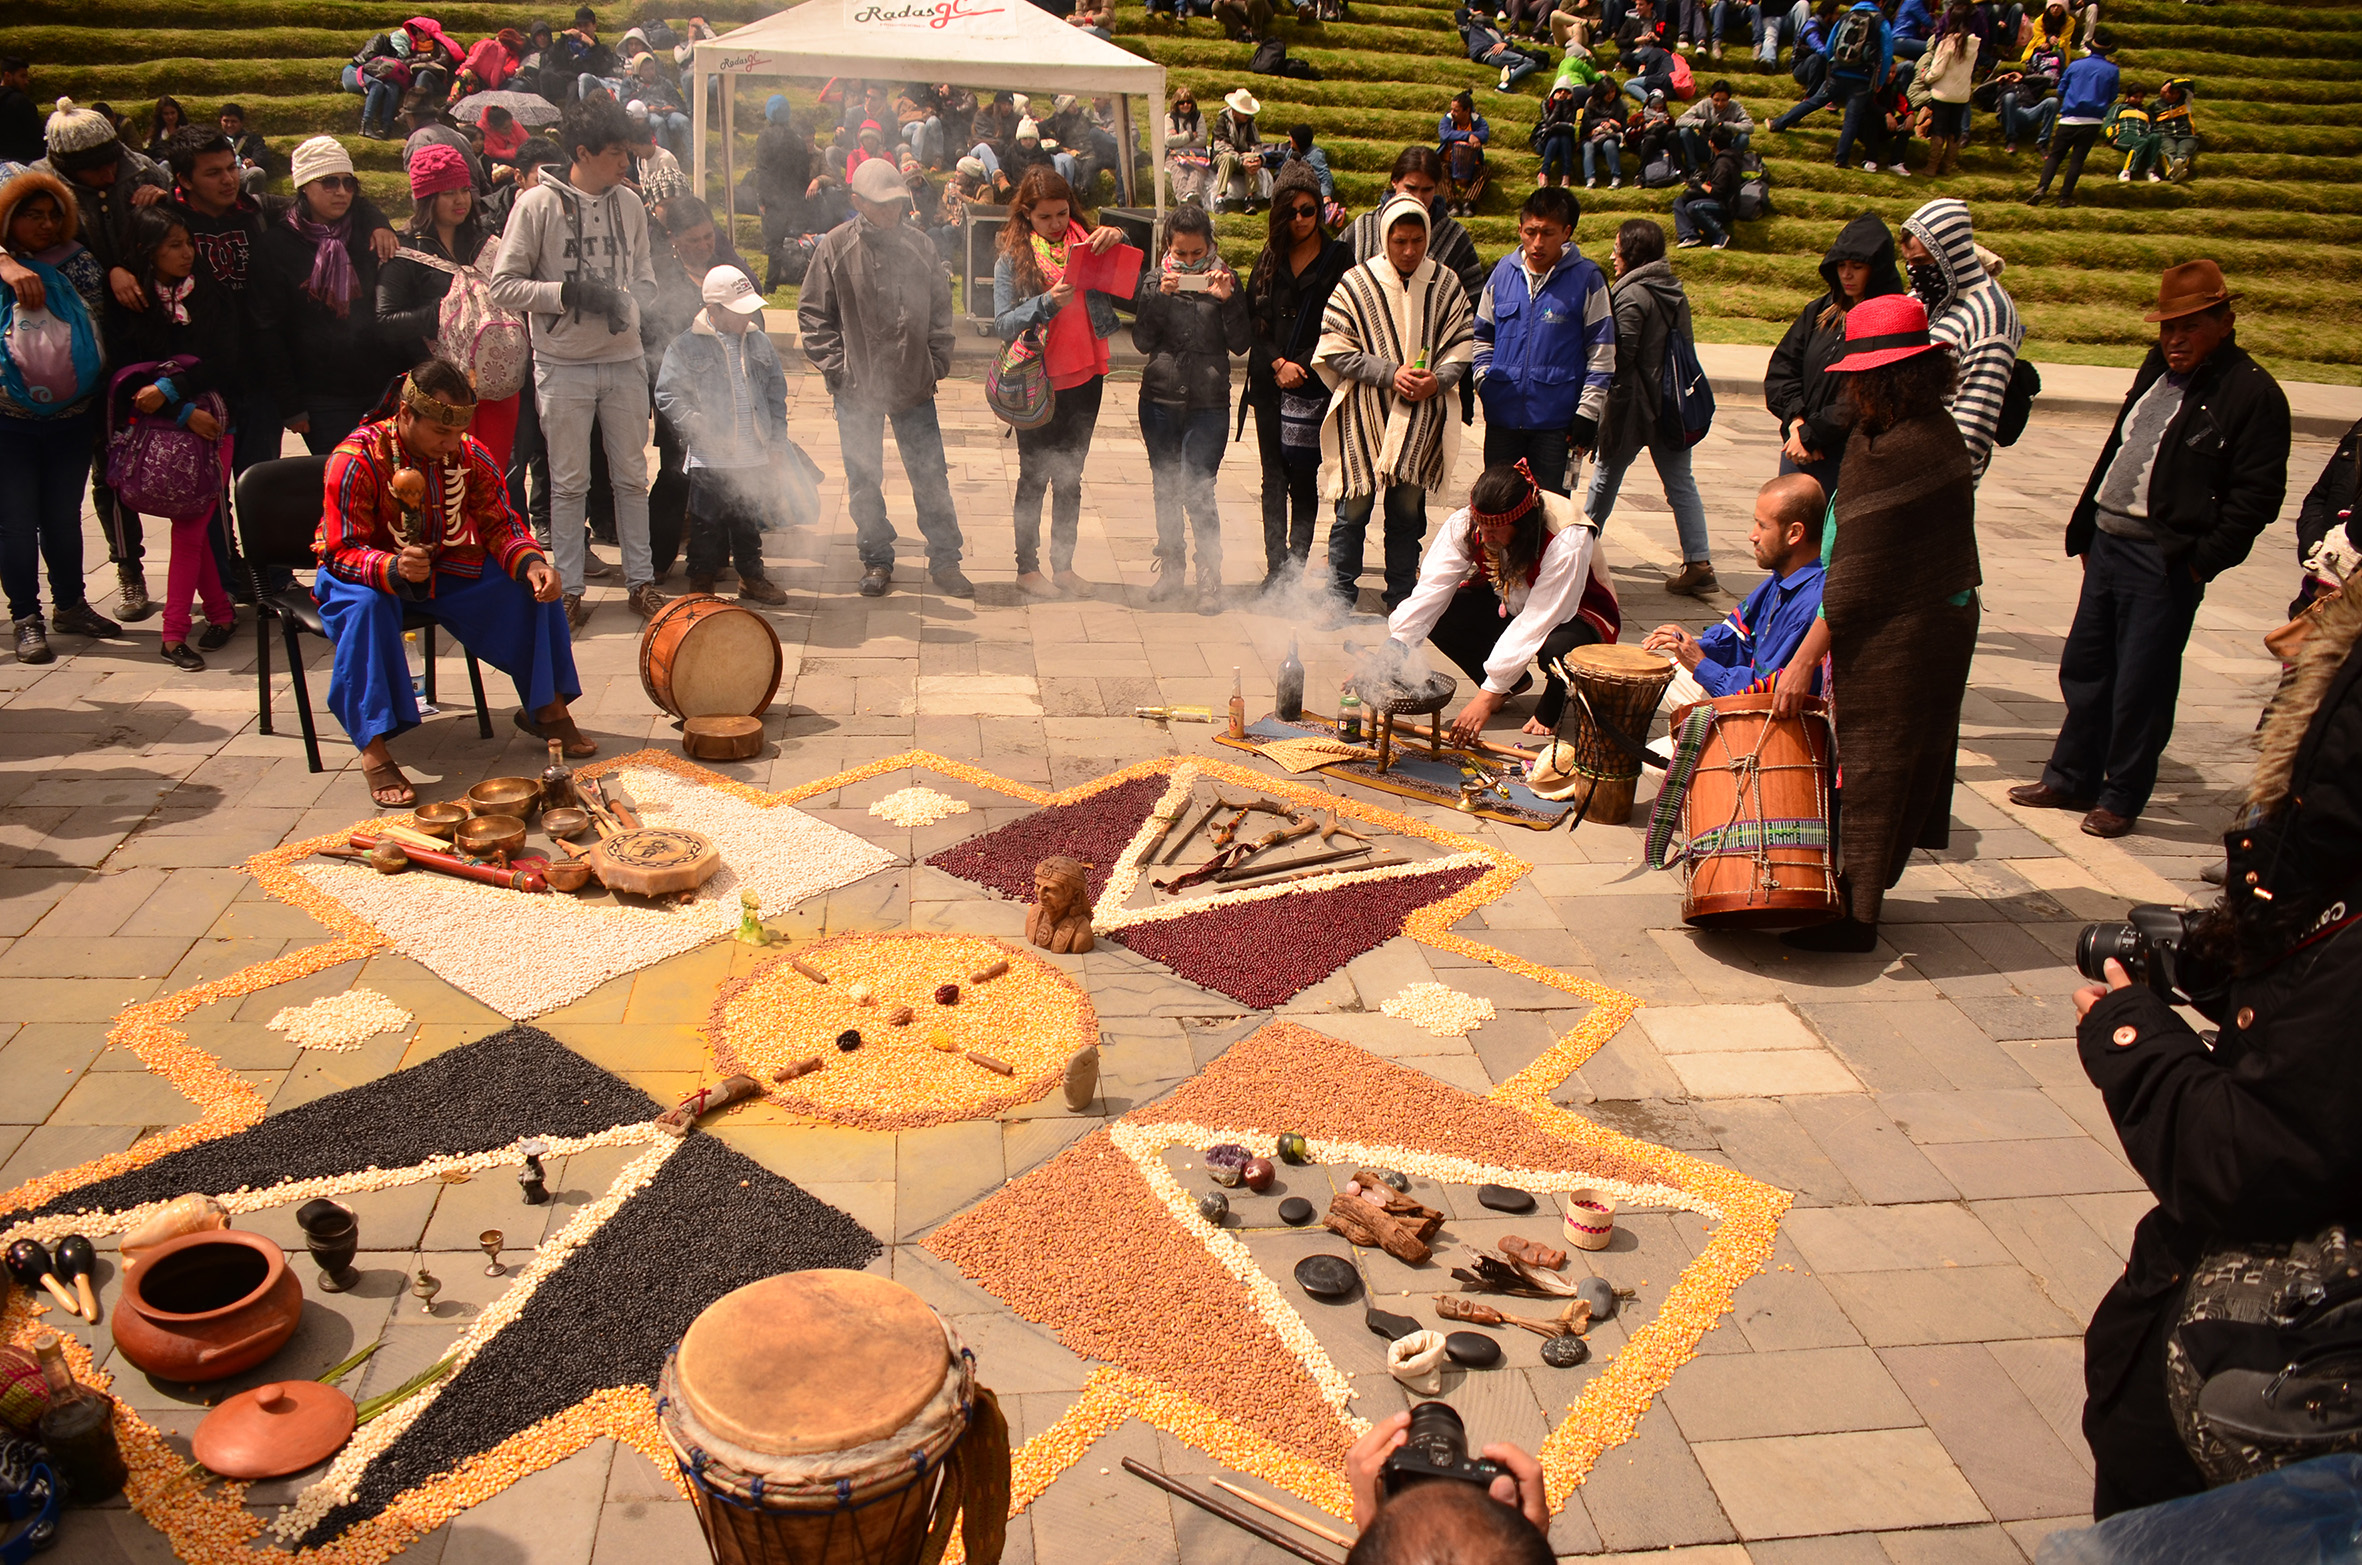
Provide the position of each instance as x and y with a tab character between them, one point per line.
941	14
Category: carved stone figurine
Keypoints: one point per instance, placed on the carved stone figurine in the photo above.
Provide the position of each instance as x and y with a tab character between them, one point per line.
1082	1077
1060	918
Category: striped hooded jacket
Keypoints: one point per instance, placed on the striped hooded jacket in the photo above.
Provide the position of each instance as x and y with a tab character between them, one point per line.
1973	315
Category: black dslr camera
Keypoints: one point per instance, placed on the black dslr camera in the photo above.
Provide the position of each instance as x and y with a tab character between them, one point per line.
2153	944
1436	1446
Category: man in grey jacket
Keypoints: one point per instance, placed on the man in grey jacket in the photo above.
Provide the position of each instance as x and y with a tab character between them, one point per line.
575	261
876	319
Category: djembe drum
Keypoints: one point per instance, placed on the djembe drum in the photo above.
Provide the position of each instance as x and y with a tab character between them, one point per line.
832	1418
1754	801
1613	691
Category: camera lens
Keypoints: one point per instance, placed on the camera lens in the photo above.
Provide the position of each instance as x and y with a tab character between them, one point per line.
2098	942
1437	1434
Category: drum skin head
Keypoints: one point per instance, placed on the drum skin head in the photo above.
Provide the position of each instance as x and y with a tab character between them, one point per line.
812	1361
727	666
1620	660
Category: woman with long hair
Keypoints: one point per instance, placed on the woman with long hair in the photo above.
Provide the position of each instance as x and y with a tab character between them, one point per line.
1286	294
312	293
446	224
168	118
1062	280
1189	162
1898	610
1808	401
1190	323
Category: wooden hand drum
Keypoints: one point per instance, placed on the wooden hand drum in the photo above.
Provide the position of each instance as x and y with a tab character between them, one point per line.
654	861
703	657
815	1416
1618	686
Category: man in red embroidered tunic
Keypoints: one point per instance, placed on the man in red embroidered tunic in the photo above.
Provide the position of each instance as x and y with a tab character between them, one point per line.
416	520
1514	575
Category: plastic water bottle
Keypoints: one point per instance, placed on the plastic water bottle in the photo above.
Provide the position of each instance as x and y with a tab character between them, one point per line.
414	657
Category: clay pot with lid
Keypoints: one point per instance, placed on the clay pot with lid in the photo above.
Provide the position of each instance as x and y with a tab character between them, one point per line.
208	1305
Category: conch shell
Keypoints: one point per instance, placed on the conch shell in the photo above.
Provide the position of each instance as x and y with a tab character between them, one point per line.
188	1214
1417	1361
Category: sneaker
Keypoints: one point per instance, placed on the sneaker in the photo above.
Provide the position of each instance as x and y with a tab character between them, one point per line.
1718	48
1869	167
1209	597
875	580
2011	148
137	605
950	582
1897	168
181	656
216	637
32	642
593	566
1504	87
1592	183
2155	178
1721	244
577	613
82	620
760	589
1695	579
645	599
1689	244
2124	176
1617	183
2037	198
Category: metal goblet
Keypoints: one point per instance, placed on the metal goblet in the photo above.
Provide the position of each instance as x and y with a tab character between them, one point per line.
490	1240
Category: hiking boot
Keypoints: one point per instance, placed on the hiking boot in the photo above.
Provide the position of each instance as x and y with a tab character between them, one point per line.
875	581
645	599
1171	582
1209	597
137	605
32	642
81	619
577	613
760	589
1696	579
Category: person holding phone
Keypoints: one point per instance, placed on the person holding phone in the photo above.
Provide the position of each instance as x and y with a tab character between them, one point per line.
1190	325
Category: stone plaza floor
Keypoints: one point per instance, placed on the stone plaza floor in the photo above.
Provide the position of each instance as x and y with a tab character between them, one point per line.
1900	1382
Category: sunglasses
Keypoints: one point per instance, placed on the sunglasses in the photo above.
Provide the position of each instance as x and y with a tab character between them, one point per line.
1303	211
338	182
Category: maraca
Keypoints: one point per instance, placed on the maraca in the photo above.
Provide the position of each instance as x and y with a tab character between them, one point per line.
29	1264
77	1258
409	487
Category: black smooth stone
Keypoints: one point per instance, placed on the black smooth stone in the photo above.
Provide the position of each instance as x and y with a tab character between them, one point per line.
1401	1182
1600	1294
1472	1348
1504	1198
1327	1276
1295	1211
1392	1327
1565	1352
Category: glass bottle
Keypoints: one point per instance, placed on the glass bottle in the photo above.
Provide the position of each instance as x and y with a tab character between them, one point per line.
78	1428
1348	715
414	658
557	781
1288	698
1175	714
1238	705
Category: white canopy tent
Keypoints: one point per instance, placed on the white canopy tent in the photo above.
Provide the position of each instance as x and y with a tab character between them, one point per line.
990	44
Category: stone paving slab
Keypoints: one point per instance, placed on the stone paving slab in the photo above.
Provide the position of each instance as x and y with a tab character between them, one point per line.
1902	1380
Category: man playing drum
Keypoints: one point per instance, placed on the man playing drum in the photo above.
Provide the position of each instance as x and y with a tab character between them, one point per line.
415	510
1750	647
1513	575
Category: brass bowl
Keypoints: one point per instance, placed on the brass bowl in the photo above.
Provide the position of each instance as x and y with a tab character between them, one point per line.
490	834
567	874
512	796
565	823
440	820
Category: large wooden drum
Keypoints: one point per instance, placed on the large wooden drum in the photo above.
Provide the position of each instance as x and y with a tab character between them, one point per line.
815	1416
1756	817
1619	687
701	656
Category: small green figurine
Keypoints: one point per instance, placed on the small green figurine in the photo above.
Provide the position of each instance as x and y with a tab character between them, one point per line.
750	920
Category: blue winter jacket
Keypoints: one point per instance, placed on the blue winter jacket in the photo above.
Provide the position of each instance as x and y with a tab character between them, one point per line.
2088	88
1542	361
1912	20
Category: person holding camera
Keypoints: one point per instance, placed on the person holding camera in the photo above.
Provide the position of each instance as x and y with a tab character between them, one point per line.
1419	1500
2246	1139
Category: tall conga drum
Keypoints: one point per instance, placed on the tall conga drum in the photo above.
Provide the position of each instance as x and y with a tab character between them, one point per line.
1613	691
1755	814
832	1418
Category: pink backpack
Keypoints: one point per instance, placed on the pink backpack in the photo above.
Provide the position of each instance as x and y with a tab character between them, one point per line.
156	465
476	334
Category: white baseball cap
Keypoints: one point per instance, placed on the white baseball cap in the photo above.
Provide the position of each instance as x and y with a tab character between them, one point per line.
732	289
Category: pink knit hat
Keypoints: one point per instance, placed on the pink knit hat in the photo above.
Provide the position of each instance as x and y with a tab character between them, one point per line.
435	168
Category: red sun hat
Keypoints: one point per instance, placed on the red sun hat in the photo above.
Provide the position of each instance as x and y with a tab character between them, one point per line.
1884	330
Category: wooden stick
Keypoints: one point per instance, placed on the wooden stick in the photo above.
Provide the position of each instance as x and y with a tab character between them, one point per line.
1272	877
1281	1511
799	1068
1182	841
1252	872
997	1067
622	806
1238	1519
409	837
1264	804
807	969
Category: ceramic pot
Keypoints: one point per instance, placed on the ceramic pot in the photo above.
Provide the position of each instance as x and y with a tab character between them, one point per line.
208	1305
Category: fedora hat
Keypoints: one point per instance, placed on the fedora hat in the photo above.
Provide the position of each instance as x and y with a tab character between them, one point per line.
1243	102
2188	288
1883	330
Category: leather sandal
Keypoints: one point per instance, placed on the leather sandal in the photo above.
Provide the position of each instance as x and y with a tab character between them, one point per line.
569	737
385	778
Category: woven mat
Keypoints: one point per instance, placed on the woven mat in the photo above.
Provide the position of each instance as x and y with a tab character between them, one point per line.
1410	776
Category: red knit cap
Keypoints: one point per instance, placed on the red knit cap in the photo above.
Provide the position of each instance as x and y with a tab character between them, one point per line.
435	168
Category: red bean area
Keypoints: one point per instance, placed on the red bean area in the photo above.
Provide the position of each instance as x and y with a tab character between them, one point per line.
1093	830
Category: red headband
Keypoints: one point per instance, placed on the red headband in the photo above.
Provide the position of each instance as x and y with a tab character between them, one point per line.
1532	493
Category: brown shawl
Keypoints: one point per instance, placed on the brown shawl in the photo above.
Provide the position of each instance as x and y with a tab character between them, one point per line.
1906	526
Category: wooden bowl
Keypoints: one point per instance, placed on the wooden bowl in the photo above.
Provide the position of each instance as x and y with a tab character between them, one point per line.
511	796
565	823
490	834
440	820
722	738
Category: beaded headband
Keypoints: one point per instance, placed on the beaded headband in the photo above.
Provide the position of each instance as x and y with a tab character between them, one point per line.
1504	518
434	410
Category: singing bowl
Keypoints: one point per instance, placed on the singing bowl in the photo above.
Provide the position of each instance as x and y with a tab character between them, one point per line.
565	823
440	820
512	796
567	874
490	834
207	1305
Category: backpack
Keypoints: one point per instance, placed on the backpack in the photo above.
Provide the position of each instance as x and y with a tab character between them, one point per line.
2017	403
1686	397
156	465
1017	388
476	334
660	35
1754	198
1684	85
794	261
1270	59
1854	41
1659	172
48	362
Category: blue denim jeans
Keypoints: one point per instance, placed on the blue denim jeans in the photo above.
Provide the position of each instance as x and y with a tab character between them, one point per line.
380	100
1612	151
1671	457
918	435
1697	153
1693	213
1641	86
1558	151
1406	530
42	465
1184	453
2018	117
1769	29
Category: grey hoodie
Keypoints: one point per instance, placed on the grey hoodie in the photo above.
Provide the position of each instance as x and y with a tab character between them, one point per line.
1974	316
1650	309
555	234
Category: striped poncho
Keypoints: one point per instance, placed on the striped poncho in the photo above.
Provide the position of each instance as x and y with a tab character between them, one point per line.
1372	439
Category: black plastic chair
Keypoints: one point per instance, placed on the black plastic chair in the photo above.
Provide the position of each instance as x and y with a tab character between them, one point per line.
278	514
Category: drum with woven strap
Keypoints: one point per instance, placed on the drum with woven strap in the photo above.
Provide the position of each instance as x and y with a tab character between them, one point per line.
1756	814
702	656
1612	687
832	1418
